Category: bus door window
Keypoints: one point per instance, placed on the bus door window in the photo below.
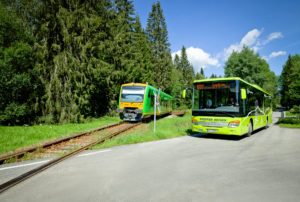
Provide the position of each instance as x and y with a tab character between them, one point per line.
208	98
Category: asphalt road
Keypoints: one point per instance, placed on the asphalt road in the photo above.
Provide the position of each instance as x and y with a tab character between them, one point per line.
263	167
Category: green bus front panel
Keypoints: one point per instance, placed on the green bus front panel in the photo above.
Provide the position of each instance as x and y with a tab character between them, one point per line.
222	126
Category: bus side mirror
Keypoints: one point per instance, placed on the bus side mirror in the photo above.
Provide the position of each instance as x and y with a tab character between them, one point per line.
184	93
243	94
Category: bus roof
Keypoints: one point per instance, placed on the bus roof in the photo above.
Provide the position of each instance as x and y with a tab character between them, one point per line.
232	79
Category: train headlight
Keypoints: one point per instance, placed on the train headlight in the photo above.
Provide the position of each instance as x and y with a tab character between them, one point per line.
138	111
234	124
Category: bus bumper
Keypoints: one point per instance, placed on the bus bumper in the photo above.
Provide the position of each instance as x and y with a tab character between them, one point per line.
217	130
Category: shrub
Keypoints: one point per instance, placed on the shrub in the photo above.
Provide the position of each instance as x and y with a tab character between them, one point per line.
296	110
289	120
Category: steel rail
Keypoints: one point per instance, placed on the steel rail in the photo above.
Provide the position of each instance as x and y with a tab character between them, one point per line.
5	186
23	151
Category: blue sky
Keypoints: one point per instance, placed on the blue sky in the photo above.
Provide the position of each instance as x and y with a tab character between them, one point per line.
211	30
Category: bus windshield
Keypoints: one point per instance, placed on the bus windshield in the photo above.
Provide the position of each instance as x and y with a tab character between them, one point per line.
219	97
133	93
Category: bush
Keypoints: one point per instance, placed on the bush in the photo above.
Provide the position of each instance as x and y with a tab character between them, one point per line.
289	120
295	110
15	114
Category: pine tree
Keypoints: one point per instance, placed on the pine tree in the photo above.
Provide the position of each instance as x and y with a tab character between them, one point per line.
202	72
158	35
213	76
70	57
176	62
186	68
143	55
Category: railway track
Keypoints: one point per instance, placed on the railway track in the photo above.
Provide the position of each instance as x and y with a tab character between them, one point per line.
114	131
21	152
49	147
69	146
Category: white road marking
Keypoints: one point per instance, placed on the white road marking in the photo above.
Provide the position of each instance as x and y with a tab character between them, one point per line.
24	165
35	163
93	153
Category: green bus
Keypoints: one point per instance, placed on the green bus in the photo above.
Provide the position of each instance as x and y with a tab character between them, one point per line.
229	106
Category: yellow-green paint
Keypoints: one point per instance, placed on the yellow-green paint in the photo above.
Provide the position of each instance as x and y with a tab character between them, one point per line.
243	94
259	118
220	125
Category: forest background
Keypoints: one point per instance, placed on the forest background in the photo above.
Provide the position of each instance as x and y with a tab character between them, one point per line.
64	61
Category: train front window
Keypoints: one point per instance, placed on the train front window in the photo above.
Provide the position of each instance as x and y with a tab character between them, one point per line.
133	93
216	97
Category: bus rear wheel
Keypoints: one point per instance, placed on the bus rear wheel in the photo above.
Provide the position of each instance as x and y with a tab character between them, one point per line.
250	129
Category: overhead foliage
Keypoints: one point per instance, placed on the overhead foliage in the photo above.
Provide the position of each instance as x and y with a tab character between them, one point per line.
184	74
290	82
252	68
64	61
18	86
158	36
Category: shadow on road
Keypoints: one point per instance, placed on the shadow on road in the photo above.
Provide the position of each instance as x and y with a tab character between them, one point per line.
219	137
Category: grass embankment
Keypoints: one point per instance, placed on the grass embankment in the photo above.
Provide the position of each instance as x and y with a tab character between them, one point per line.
284	125
165	128
290	122
14	137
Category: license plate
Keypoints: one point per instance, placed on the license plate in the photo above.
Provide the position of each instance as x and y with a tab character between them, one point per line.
211	131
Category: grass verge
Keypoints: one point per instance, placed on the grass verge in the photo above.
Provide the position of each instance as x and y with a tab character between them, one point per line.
14	137
285	125
165	128
289	122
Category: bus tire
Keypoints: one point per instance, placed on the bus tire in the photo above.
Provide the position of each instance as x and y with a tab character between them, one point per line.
250	129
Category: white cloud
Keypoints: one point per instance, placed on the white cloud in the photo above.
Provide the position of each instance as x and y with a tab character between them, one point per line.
277	54
251	39
274	35
199	58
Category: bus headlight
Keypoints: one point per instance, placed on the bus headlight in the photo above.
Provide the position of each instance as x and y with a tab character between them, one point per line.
194	121
234	124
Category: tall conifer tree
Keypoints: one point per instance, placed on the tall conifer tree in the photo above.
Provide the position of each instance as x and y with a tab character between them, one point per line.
186	68
70	38
158	36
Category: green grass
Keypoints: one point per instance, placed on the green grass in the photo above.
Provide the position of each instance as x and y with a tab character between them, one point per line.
290	114
14	137
287	113
165	128
285	125
289	122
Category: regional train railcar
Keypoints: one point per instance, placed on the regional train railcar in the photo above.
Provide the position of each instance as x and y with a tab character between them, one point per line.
136	101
